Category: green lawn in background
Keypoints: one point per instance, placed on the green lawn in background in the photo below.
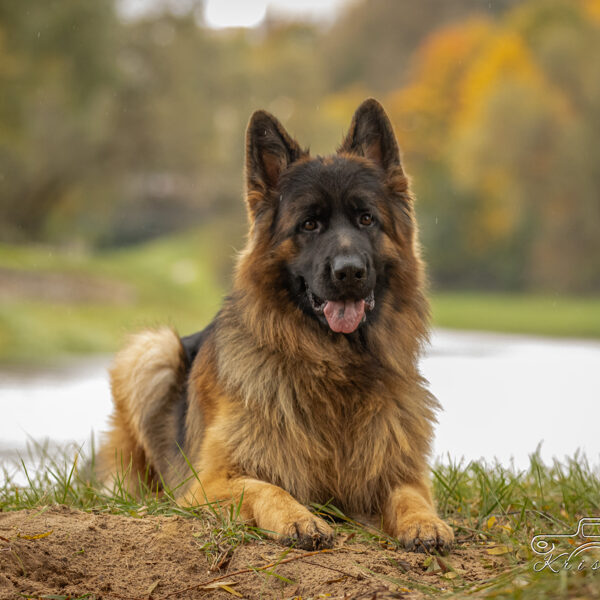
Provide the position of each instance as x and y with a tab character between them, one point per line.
164	282
549	315
181	280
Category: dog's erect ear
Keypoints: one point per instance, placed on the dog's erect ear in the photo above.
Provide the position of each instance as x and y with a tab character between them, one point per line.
371	135
269	151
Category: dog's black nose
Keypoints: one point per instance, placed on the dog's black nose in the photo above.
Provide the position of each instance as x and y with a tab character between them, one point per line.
348	269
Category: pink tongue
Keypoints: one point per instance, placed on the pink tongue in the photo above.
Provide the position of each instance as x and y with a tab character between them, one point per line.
344	317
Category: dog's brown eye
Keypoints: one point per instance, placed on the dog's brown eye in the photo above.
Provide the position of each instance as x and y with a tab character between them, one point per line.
366	219
309	225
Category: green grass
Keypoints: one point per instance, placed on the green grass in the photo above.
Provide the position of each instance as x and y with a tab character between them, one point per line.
498	511
494	511
180	281
518	313
175	281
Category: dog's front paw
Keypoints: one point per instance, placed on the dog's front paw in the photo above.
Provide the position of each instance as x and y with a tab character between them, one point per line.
308	532
424	532
287	521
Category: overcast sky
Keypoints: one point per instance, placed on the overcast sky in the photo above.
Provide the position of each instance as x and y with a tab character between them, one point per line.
241	13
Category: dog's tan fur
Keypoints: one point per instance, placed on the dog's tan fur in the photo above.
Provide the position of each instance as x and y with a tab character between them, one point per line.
280	414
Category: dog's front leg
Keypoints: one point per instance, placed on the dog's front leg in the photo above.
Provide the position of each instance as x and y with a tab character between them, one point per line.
268	506
409	515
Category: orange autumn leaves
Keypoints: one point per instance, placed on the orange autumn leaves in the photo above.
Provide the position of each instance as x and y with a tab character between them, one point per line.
494	116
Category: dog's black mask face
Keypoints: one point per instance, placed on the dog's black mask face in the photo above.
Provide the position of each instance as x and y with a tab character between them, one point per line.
326	214
329	208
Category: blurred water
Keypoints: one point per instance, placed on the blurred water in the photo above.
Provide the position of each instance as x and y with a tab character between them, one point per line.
502	395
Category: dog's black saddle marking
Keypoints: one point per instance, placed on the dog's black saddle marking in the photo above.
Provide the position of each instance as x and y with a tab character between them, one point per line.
191	345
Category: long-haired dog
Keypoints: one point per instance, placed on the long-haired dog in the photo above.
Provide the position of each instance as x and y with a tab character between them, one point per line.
305	387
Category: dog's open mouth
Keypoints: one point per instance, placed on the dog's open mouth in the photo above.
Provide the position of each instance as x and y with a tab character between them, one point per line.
343	316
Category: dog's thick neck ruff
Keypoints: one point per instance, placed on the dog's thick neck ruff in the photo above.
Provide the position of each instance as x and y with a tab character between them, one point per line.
327	395
261	317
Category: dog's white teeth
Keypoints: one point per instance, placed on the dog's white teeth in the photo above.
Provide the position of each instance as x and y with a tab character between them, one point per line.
370	301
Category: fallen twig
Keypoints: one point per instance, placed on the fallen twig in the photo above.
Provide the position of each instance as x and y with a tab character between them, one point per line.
242	571
309	562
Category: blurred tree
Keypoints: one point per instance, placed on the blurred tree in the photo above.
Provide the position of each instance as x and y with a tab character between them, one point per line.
56	61
166	168
523	141
424	109
565	39
113	130
499	123
372	43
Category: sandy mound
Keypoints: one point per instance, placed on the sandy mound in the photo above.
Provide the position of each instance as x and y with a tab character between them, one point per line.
69	553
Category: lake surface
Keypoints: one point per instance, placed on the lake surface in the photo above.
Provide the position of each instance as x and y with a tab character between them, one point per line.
502	395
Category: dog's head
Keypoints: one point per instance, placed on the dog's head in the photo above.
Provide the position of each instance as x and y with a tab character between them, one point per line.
333	235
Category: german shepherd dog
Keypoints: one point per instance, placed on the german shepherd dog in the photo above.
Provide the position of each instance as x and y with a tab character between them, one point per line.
305	387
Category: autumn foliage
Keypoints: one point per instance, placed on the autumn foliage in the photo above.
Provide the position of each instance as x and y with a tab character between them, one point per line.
500	120
114	129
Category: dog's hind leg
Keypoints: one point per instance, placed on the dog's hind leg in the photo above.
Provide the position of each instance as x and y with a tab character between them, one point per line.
147	380
121	462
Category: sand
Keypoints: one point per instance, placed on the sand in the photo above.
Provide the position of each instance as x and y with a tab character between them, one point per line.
68	553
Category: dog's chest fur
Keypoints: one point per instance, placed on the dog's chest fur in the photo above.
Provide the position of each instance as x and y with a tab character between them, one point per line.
319	433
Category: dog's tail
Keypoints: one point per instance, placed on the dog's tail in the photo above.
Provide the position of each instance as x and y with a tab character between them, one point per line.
148	380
